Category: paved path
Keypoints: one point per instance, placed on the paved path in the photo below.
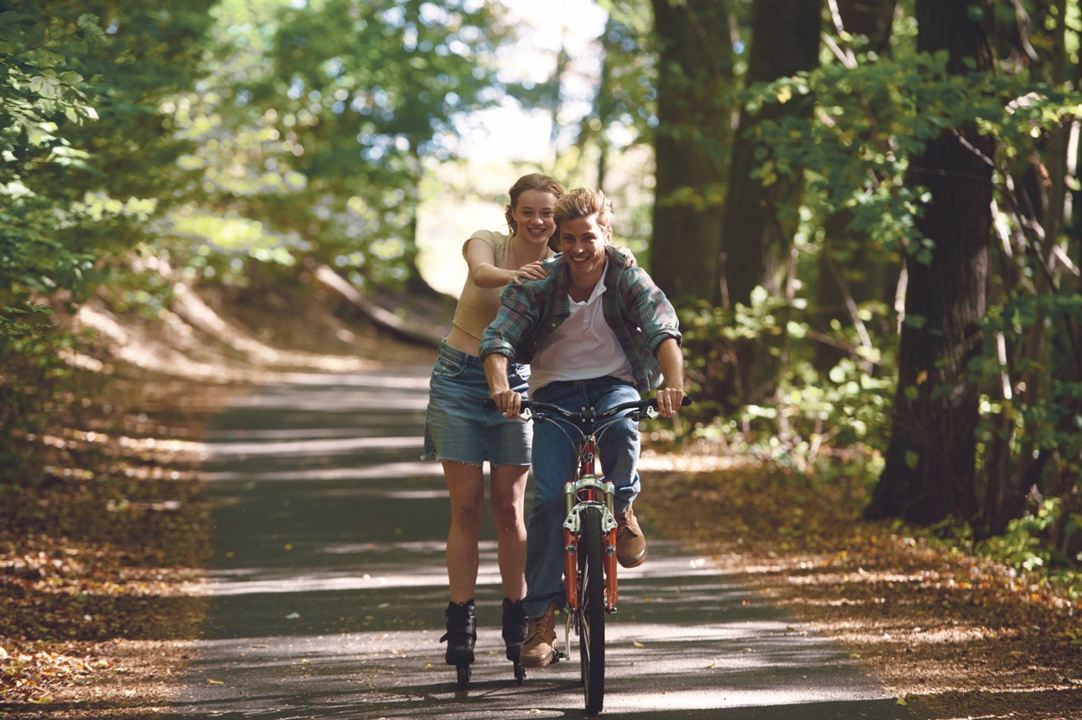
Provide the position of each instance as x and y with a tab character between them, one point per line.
327	590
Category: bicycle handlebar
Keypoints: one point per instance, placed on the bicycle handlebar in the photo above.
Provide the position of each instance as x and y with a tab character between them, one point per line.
579	415
585	420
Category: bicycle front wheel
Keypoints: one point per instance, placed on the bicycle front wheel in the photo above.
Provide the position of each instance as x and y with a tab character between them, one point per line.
592	610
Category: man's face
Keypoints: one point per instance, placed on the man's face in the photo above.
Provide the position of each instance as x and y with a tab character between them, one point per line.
582	241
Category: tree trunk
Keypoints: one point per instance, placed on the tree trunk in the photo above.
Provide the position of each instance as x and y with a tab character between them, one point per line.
929	473
865	275
695	87
1057	141
759	221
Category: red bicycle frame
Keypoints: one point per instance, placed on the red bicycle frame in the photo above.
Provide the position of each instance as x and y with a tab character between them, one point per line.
588	488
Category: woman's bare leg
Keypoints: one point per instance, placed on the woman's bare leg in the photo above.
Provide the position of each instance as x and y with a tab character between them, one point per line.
508	491
466	485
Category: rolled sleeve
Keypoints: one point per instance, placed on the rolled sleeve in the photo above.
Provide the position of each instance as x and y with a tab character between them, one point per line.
656	315
495	343
661	334
516	315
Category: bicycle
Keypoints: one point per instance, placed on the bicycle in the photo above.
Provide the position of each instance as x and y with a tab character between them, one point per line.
589	530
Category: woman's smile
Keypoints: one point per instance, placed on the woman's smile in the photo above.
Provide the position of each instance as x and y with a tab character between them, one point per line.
533	215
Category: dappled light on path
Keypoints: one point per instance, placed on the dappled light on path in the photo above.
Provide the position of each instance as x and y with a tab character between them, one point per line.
340	446
382	471
328	586
394	674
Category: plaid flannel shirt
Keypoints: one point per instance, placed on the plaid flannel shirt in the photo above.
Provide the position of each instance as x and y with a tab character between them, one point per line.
634	307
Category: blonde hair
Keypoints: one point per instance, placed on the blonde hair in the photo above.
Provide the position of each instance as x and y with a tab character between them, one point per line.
583	202
532	181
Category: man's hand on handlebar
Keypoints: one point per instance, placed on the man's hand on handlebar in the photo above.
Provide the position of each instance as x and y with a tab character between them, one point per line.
508	402
668	401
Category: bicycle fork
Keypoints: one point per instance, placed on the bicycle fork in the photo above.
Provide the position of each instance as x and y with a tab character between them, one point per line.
589	491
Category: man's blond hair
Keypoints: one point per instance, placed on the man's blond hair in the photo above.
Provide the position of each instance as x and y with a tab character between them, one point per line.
583	202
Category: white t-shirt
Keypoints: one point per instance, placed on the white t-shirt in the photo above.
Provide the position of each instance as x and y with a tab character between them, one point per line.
582	347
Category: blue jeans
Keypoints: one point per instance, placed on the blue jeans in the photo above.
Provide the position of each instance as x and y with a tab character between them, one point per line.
554	462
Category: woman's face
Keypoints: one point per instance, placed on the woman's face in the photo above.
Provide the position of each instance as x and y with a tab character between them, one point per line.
582	241
533	215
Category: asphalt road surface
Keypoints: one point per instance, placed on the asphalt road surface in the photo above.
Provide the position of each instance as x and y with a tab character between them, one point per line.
327	591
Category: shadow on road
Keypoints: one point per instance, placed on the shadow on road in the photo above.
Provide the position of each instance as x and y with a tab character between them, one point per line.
328	585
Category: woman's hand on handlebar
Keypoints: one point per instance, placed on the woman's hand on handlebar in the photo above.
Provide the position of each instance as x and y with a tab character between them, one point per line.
668	401
508	402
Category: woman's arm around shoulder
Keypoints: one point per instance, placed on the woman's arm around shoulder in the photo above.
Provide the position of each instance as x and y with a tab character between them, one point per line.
481	258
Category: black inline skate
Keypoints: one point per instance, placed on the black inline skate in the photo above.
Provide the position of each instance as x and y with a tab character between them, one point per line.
514	635
460	638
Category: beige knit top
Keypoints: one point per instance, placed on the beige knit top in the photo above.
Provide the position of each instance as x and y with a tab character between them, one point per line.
477	306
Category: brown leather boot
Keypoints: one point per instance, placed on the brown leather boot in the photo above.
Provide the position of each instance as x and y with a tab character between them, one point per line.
540	647
630	542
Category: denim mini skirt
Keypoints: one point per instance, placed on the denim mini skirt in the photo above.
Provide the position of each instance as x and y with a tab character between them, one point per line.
458	425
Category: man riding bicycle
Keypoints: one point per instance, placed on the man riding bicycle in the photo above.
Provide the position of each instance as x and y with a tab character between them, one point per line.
596	333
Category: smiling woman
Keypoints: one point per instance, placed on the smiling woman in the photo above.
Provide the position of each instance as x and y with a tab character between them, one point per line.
463	434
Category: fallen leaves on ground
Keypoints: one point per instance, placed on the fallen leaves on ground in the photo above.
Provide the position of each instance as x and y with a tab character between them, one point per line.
96	552
955	634
95	549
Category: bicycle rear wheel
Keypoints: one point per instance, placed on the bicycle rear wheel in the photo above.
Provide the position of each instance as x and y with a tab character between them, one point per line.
592	610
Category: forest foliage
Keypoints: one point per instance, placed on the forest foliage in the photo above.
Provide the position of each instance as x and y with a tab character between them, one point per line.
216	135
